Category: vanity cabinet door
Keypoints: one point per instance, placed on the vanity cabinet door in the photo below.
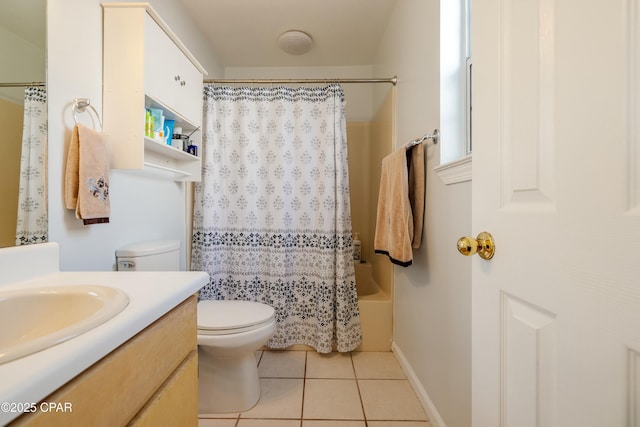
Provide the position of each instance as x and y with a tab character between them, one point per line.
176	402
170	77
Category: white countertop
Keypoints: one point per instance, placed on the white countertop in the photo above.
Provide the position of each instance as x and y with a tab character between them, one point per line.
151	295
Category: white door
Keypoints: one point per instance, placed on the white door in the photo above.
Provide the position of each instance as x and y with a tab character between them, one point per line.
556	180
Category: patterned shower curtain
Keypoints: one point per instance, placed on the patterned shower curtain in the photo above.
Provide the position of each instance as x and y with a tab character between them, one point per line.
272	220
32	221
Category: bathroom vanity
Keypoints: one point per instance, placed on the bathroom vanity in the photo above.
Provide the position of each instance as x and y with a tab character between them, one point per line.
139	368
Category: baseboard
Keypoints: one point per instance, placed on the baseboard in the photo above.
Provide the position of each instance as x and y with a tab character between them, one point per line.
427	404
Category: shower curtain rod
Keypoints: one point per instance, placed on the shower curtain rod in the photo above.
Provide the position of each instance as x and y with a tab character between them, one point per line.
22	84
393	80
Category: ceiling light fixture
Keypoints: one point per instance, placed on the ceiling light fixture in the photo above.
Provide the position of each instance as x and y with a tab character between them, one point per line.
295	42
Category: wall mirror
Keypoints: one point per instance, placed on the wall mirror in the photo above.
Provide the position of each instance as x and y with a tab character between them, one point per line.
23	116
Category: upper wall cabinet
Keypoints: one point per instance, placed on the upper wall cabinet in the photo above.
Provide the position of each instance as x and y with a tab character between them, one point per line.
146	66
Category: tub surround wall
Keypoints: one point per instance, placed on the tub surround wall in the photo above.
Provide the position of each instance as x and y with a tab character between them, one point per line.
382	143
359	149
11	117
376	311
369	142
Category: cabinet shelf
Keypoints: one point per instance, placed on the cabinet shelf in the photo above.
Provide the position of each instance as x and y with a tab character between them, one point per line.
167	150
169	114
180	165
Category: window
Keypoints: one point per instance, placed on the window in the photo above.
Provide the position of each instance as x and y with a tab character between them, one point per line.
456	68
469	76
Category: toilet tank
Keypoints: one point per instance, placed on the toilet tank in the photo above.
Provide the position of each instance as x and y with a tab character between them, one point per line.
161	255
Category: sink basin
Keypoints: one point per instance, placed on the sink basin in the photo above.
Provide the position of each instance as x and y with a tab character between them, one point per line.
39	318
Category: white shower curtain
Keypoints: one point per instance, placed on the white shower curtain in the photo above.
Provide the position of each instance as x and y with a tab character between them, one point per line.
32	221
272	217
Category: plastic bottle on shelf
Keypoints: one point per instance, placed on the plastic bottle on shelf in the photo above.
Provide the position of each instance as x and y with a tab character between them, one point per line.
357	247
148	124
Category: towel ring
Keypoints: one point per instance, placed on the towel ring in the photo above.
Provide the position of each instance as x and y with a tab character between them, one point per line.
80	106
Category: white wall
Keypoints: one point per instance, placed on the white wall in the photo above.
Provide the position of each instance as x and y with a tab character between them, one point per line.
432	302
142	208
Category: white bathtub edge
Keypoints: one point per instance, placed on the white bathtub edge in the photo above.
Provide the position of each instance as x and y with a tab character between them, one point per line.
432	413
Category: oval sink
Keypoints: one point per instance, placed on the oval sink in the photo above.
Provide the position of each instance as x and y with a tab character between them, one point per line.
39	318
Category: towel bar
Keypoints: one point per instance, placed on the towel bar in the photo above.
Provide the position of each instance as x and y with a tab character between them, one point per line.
435	137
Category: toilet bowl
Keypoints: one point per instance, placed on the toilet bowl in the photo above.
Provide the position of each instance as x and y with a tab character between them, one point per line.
229	333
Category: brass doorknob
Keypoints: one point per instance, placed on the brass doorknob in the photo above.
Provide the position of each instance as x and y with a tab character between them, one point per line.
483	245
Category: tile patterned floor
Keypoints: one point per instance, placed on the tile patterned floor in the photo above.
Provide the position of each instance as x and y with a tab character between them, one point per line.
307	389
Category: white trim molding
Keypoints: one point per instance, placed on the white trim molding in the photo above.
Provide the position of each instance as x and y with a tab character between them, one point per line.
455	171
432	413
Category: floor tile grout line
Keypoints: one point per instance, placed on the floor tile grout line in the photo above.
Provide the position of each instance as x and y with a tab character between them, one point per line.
286	378
355	375
304	386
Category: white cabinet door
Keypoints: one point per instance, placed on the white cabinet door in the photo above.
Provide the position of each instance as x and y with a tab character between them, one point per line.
170	78
556	180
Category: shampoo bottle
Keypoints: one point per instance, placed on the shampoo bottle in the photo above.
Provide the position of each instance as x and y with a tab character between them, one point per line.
357	247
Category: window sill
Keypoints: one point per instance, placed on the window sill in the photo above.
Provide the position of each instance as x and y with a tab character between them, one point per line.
456	171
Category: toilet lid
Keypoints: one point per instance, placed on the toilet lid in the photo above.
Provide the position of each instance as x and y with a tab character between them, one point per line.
215	315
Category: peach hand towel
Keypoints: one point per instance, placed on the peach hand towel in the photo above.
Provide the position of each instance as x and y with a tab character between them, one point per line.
86	183
400	205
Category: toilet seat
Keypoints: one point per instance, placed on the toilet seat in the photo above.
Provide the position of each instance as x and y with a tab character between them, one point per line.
224	317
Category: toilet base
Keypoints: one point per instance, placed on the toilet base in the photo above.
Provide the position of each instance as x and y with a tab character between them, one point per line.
227	384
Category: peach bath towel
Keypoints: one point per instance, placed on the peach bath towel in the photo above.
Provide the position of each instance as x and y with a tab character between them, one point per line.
86	180
400	213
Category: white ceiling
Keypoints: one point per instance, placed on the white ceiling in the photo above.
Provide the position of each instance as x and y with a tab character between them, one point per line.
244	33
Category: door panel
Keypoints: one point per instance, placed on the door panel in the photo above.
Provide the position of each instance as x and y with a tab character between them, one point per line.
556	180
527	89
529	362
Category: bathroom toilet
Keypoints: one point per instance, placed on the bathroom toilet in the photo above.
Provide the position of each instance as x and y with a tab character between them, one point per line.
229	333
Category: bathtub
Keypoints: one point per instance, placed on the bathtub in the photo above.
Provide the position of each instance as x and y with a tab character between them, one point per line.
376	311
